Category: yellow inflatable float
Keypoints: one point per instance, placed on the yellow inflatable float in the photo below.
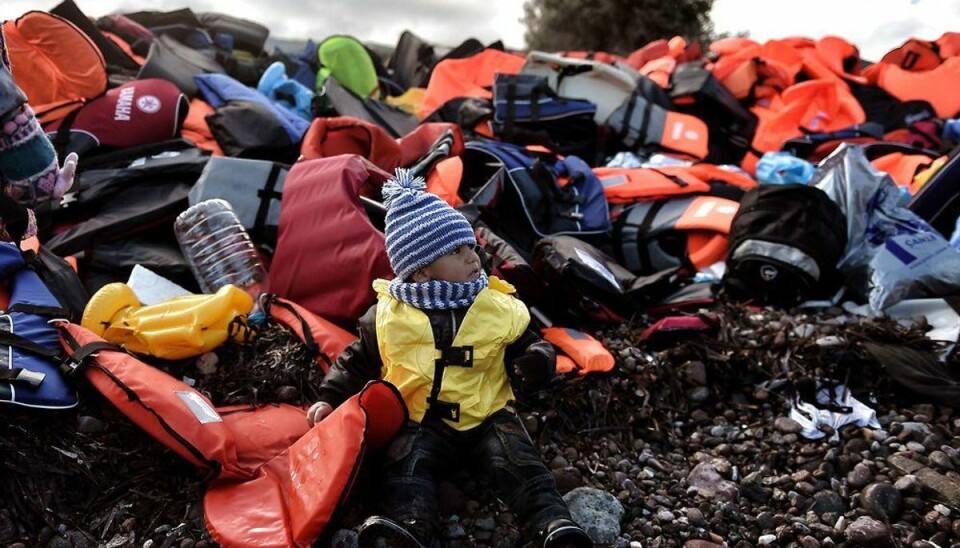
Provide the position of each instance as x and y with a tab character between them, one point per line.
175	329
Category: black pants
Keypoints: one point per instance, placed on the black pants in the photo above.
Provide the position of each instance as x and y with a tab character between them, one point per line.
420	455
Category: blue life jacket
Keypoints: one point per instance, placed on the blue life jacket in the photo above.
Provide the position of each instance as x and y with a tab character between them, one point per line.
29	345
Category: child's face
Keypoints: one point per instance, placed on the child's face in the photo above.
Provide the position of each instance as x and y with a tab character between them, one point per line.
460	265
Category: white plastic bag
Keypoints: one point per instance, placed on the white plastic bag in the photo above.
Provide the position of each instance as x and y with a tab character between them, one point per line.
892	254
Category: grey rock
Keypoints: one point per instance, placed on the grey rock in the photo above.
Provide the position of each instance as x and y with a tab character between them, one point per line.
941	461
908	484
882	501
751	488
597	511
695	517
904	464
826	502
344	538
765	521
866	531
860	476
705	481
90	425
943	487
696	373
486	524
698	394
665	516
787	425
568	478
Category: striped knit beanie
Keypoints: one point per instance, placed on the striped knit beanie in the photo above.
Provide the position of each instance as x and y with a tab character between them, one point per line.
420	226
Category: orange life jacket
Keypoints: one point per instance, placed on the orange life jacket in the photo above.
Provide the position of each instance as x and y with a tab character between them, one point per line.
177	415
468	77
936	86
649	52
629	185
196	129
902	168
587	353
602	56
54	63
949	44
814	106
294	496
914	55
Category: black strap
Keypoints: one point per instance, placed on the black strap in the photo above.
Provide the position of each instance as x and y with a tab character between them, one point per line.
18	375
511	107
677	180
535	103
40	310
267	194
647	111
16	219
308	340
12	339
452	356
77	360
62	139
643	250
627	114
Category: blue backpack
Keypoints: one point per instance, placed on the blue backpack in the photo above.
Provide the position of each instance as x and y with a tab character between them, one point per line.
526	198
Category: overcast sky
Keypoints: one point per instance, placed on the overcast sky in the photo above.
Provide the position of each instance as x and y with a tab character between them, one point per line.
875	26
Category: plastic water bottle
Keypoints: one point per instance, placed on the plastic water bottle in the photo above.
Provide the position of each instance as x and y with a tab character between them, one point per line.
218	248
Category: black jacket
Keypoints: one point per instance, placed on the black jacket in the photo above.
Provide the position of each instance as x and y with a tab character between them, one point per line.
360	362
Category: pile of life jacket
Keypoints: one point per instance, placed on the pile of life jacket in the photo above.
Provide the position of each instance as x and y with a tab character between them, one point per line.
599	185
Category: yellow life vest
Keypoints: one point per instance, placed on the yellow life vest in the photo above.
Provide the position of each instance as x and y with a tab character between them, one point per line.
468	394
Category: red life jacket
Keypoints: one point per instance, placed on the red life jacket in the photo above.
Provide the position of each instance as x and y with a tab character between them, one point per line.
177	415
323	226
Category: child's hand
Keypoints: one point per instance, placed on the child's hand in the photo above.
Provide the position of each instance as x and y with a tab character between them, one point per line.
318	412
65	175
532	370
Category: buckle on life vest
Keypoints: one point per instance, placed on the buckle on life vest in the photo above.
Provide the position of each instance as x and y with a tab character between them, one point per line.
444	409
70	366
23	376
457	356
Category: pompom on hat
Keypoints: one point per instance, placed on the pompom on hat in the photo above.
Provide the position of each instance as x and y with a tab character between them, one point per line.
420	226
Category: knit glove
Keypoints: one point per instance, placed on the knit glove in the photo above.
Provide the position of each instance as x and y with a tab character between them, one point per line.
28	161
532	370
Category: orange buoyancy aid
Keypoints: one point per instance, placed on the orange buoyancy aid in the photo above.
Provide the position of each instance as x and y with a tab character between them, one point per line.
936	86
468	77
54	63
813	106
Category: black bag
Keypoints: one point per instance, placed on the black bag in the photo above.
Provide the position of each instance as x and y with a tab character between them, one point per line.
785	243
584	282
528	112
61	280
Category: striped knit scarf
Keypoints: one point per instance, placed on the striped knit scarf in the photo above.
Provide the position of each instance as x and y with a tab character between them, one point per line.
437	294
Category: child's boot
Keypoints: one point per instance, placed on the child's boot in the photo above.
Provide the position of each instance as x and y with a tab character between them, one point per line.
564	533
382	532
